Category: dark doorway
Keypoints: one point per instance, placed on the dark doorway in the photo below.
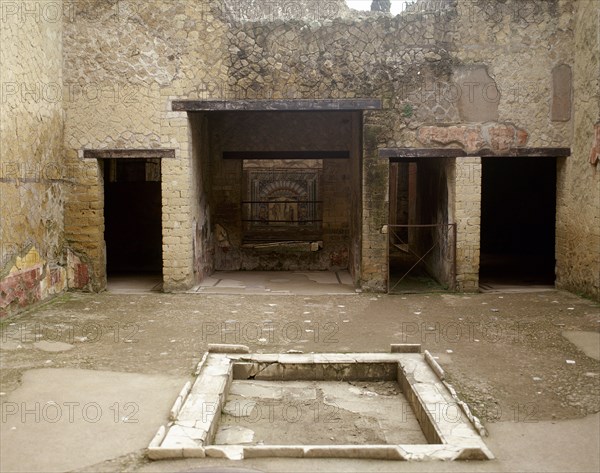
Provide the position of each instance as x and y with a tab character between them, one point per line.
281	190
421	238
133	217
518	217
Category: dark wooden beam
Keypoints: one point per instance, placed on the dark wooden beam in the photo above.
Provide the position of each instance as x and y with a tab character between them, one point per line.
412	153
527	153
286	154
128	153
275	105
392	153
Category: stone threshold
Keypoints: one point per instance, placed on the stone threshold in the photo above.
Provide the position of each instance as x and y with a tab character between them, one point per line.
452	431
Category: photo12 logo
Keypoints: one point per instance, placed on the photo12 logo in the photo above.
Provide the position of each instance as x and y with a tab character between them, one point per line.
272	10
75	92
463	331
270	332
89	332
48	172
523	12
20	12
523	412
273	411
69	411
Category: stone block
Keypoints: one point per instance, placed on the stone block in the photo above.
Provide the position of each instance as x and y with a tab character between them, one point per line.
295	358
264	358
244	370
272	371
230	452
178	438
273	451
158	437
194	452
334	358
176	408
434	365
474	453
160	453
371	452
405	348
226	348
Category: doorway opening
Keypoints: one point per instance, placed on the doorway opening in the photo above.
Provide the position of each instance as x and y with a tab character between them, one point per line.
421	247
276	191
133	224
518	221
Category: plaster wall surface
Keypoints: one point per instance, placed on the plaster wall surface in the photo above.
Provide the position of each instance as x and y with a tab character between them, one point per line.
33	177
578	191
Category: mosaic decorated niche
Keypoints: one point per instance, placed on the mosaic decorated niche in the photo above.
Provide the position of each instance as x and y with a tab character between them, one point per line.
279	198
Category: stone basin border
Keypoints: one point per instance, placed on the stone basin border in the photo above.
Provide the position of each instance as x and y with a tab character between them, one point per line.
195	416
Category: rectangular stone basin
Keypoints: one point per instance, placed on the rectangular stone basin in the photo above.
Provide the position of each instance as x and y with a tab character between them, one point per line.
393	406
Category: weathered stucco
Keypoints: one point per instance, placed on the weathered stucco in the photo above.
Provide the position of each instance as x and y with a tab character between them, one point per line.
578	210
33	177
467	74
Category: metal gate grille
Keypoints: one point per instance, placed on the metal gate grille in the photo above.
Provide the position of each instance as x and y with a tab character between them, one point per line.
422	258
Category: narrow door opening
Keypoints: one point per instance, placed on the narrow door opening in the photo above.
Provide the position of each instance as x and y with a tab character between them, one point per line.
133	223
421	237
518	218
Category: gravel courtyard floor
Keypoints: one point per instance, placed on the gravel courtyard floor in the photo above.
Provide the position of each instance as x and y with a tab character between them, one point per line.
86	379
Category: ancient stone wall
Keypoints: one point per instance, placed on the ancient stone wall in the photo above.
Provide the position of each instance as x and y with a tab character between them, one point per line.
355	200
124	62
375	203
578	192
467	215
519	43
204	244
469	74
473	74
437	66
33	177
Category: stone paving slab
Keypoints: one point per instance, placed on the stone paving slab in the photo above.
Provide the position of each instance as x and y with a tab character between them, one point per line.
277	282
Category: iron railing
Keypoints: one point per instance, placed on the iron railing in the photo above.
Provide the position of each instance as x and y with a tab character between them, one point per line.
400	237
